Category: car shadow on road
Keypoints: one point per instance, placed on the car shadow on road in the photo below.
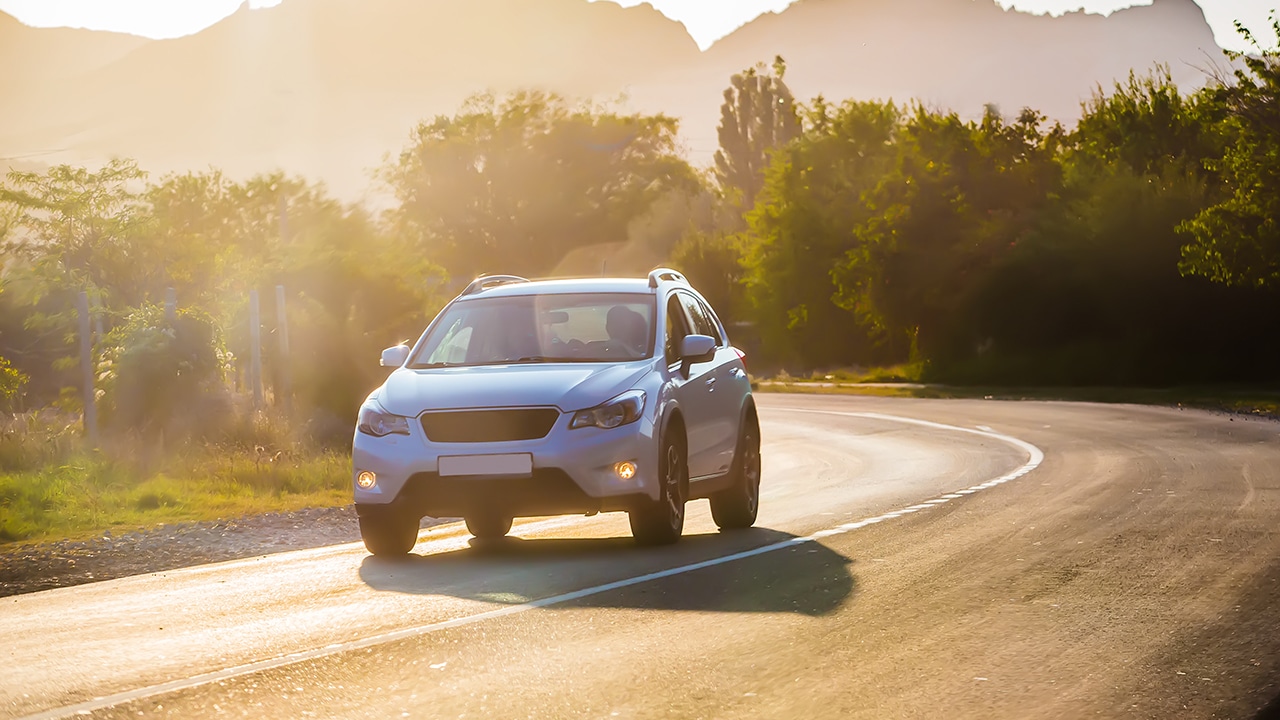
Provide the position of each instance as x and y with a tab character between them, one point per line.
1271	711
807	577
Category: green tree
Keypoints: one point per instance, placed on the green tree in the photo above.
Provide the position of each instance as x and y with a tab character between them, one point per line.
11	381
195	238
355	289
1150	126
75	229
161	375
70	229
513	186
959	196
712	262
1237	241
758	116
803	226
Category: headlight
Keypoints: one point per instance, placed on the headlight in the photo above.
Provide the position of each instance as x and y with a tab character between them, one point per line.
378	422
626	408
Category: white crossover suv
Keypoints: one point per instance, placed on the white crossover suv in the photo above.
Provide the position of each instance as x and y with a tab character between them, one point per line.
560	397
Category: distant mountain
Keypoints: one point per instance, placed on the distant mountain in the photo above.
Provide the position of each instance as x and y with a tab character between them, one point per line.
327	87
32	56
33	61
962	54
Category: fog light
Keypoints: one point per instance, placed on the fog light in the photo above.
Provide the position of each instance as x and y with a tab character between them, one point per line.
366	480
625	470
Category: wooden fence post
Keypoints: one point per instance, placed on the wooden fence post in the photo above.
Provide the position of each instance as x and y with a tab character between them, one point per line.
284	394
170	305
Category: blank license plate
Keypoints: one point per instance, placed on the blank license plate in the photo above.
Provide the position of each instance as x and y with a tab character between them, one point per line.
520	464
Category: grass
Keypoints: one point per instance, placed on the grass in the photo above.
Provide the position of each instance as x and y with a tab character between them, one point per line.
88	495
902	373
52	488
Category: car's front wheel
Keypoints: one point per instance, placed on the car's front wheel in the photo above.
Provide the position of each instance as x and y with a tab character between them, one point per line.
737	506
662	522
488	526
387	532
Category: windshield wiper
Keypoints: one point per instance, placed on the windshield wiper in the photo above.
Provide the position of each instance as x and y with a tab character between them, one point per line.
526	360
533	359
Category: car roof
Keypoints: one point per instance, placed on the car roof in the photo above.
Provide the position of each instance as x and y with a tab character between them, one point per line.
639	286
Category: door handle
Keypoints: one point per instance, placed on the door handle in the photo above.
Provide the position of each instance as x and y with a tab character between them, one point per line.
711	382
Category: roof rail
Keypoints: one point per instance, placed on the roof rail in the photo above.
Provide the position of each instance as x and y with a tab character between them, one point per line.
484	282
658	275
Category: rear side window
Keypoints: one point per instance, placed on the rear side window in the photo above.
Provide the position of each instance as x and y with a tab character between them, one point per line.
703	322
676	329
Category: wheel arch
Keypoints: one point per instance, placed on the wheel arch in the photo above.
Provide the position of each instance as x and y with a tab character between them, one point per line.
749	414
673	422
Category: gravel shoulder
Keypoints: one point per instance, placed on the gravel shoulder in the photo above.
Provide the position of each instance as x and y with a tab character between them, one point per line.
34	567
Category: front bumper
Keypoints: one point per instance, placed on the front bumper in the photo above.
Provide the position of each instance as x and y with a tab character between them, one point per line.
573	472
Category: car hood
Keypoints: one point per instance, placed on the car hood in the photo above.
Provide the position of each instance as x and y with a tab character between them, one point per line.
569	387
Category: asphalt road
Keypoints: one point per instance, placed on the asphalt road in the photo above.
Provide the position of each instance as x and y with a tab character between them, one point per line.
1045	560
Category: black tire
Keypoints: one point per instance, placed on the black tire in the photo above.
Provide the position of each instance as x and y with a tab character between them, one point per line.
488	526
736	508
388	533
662	522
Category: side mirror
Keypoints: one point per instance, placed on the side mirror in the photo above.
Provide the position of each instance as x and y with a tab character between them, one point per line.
395	356
697	348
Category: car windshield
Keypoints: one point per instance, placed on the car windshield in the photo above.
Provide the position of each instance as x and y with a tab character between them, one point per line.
601	327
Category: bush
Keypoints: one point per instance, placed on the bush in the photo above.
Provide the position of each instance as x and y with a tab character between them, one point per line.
36	439
11	382
162	377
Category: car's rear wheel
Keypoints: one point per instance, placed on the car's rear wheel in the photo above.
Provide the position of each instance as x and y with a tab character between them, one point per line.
662	522
736	507
388	532
488	526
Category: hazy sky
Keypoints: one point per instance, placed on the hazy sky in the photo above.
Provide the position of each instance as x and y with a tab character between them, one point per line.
707	20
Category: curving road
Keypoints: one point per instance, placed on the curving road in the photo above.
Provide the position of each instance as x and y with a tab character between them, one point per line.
913	558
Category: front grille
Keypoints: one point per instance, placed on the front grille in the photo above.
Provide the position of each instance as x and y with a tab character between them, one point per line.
476	426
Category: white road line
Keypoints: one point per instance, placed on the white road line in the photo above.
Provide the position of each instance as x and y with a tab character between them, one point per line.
1035	457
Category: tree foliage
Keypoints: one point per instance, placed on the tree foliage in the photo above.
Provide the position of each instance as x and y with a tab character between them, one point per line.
803	225
11	381
160	374
505	186
78	226
1237	240
514	185
353	286
957	197
1139	247
758	116
1011	251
